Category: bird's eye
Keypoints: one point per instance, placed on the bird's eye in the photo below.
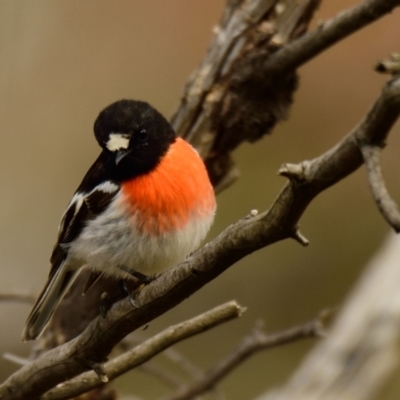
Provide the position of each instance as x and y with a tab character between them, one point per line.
143	135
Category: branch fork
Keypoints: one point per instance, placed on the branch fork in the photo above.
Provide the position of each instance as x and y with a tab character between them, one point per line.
298	173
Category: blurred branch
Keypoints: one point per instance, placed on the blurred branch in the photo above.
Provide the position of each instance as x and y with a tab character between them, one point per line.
386	205
179	359
183	362
16	359
146	350
361	350
162	374
175	356
18	297
165	376
254	342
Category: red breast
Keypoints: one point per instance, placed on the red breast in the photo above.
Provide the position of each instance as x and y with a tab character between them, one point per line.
178	189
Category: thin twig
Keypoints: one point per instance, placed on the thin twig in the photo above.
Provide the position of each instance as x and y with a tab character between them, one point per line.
386	205
189	367
162	374
148	349
168	378
18	297
256	341
183	362
172	354
16	359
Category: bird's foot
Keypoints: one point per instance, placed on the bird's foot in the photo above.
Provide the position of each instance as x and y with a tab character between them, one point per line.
128	293
107	301
142	278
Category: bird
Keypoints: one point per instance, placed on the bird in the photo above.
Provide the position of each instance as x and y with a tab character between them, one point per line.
144	205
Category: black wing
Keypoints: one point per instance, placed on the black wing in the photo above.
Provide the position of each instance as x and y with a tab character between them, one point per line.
94	194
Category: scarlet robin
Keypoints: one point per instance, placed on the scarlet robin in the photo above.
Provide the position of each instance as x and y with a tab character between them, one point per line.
143	206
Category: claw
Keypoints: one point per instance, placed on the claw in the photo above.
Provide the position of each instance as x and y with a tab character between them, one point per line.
133	295
105	304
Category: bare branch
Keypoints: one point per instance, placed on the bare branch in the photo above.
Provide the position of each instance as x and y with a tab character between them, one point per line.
386	205
256	341
147	350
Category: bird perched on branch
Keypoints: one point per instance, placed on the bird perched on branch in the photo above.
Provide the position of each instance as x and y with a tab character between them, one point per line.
142	207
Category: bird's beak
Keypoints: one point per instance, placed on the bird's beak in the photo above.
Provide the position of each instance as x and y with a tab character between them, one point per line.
120	155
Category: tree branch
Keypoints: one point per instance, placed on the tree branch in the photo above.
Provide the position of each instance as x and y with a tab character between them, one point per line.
146	350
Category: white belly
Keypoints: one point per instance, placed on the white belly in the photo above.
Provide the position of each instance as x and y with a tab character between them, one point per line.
112	240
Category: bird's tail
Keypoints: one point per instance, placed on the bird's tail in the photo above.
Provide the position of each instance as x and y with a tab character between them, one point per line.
52	293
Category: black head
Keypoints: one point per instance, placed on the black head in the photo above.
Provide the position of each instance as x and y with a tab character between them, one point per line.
135	134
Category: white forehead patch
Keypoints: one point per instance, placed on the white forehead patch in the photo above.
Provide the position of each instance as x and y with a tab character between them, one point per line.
117	141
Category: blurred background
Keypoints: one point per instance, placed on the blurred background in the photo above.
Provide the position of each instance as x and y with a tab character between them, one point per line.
62	62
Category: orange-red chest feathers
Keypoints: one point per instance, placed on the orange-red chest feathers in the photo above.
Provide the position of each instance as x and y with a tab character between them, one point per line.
176	191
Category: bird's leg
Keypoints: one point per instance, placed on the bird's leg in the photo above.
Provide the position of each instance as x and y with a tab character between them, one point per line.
107	301
145	279
125	290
